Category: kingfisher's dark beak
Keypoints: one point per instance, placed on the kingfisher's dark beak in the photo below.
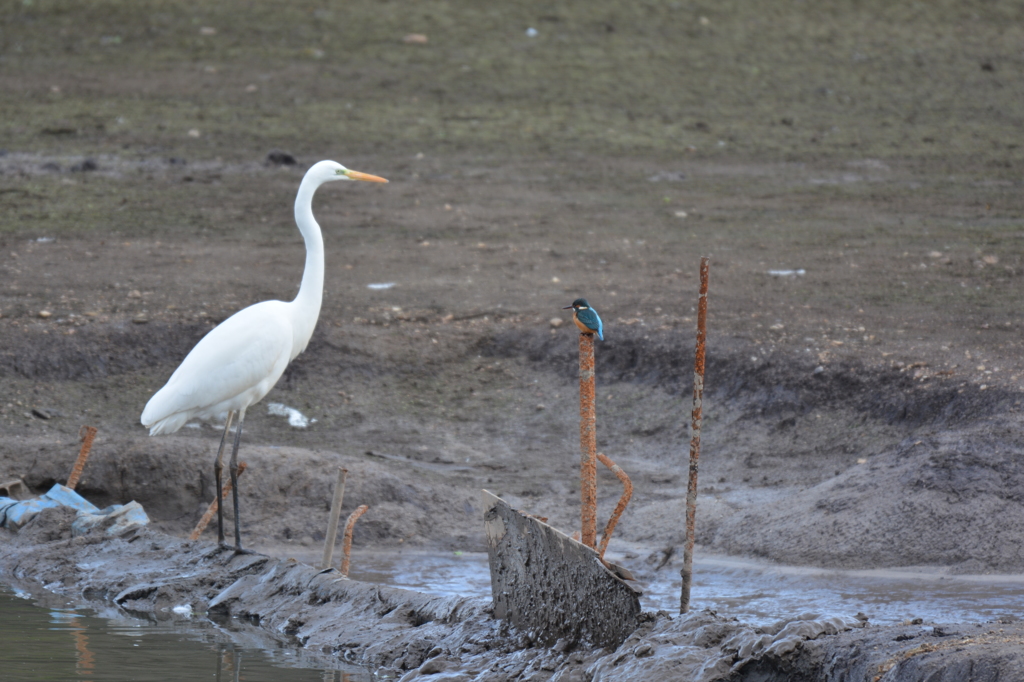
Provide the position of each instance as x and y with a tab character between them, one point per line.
568	307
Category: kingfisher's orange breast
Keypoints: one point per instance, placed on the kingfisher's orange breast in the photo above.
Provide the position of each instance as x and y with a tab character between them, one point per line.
583	328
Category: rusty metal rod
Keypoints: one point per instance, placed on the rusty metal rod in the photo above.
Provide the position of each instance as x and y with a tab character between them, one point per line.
332	524
87	434
346	543
588	443
627	492
214	506
696	417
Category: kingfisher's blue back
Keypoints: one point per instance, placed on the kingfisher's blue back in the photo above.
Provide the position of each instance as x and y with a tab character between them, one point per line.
588	320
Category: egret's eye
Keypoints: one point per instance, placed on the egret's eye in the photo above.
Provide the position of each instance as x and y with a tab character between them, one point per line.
339	171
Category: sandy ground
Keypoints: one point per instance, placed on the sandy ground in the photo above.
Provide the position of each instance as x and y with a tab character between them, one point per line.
864	413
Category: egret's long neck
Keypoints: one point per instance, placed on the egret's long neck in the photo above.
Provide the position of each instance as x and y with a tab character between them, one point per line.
306	306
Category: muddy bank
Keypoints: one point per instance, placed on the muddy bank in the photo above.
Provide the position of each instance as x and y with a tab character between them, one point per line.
849	466
873	148
404	634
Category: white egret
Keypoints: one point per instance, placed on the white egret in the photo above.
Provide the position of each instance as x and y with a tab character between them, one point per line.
240	360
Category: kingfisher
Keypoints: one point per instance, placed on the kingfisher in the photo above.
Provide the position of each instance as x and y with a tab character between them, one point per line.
586	318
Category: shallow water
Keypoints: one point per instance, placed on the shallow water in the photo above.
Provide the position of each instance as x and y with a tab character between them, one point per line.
755	593
763	594
49	643
53	640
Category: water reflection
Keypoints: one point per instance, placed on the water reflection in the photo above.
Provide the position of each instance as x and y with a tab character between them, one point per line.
450	574
755	593
762	594
58	642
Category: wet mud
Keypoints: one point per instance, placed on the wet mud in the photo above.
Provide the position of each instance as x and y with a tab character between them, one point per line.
853	171
403	634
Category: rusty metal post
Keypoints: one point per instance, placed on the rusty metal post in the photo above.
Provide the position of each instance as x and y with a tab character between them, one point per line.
346	543
696	418
332	524
214	506
87	434
627	493
588	443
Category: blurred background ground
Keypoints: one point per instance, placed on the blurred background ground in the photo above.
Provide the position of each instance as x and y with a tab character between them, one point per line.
537	152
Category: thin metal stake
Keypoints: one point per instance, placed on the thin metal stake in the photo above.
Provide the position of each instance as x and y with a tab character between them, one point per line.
87	434
696	418
332	524
588	443
627	493
346	543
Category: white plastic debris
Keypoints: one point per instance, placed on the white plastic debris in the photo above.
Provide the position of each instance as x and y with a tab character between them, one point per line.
787	273
116	519
382	285
183	610
295	418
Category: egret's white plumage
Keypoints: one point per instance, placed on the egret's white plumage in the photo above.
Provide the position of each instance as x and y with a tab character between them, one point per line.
232	367
241	359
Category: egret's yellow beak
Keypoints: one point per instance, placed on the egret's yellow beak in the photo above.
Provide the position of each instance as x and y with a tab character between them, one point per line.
356	175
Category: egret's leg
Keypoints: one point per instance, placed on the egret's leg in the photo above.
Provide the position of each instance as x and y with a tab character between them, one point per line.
233	468
218	470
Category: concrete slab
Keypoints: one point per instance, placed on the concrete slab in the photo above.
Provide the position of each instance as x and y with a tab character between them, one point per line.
551	586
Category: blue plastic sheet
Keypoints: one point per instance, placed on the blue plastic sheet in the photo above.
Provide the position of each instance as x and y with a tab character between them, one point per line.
116	519
67	497
23	512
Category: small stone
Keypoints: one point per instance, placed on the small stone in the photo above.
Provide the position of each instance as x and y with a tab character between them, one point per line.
541	407
819	369
415	39
642	651
45	314
556	322
194	132
433	666
85	166
140	319
42	414
280	158
134	293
